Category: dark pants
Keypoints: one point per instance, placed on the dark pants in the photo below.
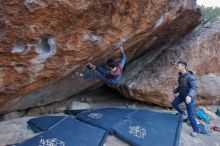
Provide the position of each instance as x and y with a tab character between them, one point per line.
190	110
96	74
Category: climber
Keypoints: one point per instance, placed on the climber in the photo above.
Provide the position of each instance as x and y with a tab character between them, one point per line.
187	93
110	72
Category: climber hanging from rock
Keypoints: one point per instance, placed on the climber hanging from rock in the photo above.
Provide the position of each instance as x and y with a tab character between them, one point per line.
110	72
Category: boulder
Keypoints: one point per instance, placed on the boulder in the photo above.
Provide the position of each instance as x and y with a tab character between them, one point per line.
153	77
43	41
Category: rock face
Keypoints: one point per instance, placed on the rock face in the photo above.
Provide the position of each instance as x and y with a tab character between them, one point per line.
42	41
154	81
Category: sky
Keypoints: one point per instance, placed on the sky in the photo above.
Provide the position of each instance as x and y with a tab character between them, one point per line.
209	3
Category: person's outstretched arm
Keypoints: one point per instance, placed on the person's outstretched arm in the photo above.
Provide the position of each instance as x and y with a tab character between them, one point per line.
123	58
101	69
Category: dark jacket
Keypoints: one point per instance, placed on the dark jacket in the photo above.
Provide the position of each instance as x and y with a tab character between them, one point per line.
187	85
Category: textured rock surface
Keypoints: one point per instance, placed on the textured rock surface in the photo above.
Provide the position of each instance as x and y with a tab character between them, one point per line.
153	82
42	41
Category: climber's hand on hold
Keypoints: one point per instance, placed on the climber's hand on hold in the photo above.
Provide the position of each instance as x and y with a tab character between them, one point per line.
79	74
121	48
91	67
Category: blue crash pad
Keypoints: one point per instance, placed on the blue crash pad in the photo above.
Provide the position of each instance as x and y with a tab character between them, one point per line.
40	124
148	128
69	132
104	118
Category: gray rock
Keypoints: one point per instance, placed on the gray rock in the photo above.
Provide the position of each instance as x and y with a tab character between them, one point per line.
153	77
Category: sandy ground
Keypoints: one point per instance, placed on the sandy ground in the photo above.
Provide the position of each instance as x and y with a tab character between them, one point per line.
15	130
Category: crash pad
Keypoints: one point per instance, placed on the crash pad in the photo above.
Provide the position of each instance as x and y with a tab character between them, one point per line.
104	118
149	128
43	123
69	132
74	112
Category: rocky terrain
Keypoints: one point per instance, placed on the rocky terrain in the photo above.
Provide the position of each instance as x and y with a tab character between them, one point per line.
43	41
153	77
